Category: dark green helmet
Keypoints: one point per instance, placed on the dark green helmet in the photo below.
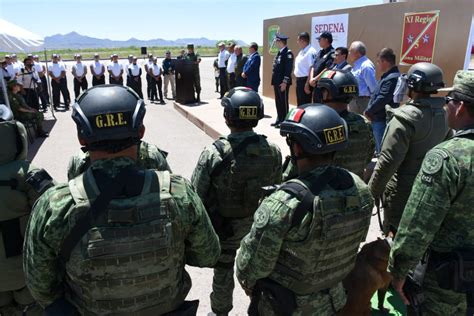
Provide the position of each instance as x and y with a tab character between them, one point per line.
316	127
341	84
109	114
425	78
242	106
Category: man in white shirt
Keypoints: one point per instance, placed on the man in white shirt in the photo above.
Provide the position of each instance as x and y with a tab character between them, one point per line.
79	71
10	69
303	62
97	71
222	58
155	74
28	78
147	66
231	63
135	74
115	71
17	65
57	72
43	86
125	69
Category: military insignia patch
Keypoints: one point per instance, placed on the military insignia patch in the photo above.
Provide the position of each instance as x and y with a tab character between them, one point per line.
261	218
334	135
433	162
248	112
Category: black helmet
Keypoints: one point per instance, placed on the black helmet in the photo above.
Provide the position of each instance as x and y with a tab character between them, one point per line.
341	84
425	77
316	127
242	106
108	113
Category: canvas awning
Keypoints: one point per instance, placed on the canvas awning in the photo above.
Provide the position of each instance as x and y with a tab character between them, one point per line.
14	39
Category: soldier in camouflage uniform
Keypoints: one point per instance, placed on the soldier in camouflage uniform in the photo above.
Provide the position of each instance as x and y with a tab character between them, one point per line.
337	88
196	58
22	111
149	157
412	130
305	236
438	215
20	186
115	239
228	179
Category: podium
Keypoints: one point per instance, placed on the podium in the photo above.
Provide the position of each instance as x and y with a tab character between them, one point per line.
184	72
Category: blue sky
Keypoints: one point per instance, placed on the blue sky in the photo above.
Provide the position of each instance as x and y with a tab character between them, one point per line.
121	20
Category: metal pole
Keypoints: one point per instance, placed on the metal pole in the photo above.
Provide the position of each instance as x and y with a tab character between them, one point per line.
48	83
4	89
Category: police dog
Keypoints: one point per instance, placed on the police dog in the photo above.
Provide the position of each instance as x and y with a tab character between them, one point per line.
369	275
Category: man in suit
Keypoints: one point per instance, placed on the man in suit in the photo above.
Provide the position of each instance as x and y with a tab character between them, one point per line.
251	71
281	77
340	59
239	68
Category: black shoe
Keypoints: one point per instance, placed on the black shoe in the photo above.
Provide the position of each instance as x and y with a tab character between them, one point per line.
277	123
162	102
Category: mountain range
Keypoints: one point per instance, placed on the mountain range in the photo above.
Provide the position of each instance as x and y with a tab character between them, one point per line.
75	40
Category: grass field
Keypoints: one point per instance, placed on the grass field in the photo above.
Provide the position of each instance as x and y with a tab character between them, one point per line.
123	52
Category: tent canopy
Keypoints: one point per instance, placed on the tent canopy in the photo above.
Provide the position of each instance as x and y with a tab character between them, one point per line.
16	39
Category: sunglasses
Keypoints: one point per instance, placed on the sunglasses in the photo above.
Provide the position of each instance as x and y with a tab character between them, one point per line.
448	99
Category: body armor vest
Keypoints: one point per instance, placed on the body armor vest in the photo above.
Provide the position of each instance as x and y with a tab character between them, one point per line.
14	213
340	221
131	261
356	156
428	118
237	189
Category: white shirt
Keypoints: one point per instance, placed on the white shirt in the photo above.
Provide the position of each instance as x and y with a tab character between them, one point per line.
11	71
115	68
17	66
222	57
231	63
56	69
134	69
304	60
97	67
38	66
155	69
148	65
80	69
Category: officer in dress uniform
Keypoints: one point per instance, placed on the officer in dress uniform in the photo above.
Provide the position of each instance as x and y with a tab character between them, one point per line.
115	71
281	77
196	58
97	71
135	75
79	71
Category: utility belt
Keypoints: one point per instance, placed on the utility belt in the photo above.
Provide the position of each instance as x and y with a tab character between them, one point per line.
281	299
453	270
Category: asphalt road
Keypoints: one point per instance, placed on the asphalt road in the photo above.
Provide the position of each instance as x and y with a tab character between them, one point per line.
166	128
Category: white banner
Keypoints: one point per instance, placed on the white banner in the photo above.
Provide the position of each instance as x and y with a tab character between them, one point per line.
337	25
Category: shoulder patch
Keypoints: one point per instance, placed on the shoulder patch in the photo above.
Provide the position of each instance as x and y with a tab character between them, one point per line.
433	161
262	217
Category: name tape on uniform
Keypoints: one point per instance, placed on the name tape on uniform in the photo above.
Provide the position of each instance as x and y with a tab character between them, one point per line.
110	120
248	112
334	135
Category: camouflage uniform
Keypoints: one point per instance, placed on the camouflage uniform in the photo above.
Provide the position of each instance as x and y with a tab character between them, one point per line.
263	160
16	201
149	157
16	102
438	215
136	268
311	258
413	129
195	57
359	153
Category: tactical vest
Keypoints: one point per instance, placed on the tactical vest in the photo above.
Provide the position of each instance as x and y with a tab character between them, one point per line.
340	221
237	189
131	261
14	213
356	156
428	118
